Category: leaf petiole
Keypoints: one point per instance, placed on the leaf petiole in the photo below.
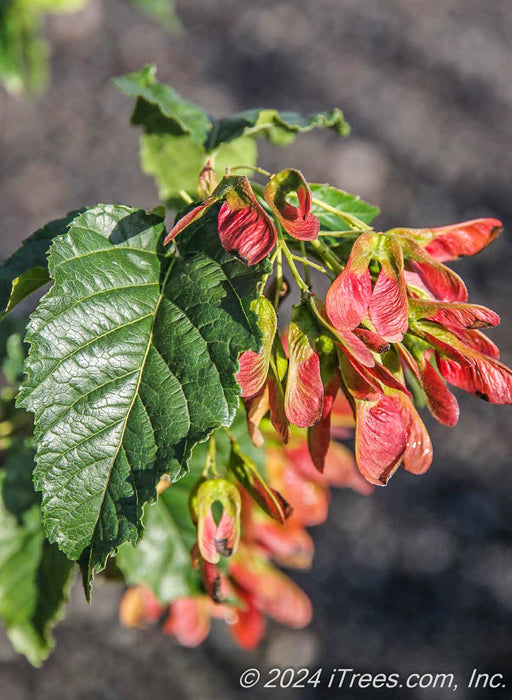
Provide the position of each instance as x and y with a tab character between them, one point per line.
308	263
329	258
279	276
342	234
350	219
264	279
305	262
186	197
210	464
254	168
304	288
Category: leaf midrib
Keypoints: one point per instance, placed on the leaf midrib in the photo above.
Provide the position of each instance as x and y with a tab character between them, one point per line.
132	404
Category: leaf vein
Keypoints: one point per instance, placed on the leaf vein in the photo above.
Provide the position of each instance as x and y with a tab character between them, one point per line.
92	296
102	250
60	455
88	393
90	342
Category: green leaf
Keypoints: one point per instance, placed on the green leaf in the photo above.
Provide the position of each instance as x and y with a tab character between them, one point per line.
55	6
27	269
176	162
11	325
223	449
179	136
14	358
161	560
344	202
18	492
23	56
35	576
159	108
23	53
160	10
132	362
172	145
280	128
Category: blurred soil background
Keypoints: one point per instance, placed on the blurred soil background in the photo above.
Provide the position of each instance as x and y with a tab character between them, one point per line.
417	578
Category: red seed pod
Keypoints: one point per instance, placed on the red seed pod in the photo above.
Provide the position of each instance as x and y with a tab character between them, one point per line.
253	371
304	395
298	221
247	474
216	538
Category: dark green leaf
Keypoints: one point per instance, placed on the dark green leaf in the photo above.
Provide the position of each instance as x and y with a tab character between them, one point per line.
34	575
132	362
18	490
27	269
345	203
280	127
159	108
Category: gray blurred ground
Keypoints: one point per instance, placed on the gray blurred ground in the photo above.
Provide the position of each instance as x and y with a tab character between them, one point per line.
417	578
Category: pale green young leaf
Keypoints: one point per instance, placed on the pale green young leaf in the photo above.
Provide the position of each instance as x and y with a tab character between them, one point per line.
176	162
160	10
